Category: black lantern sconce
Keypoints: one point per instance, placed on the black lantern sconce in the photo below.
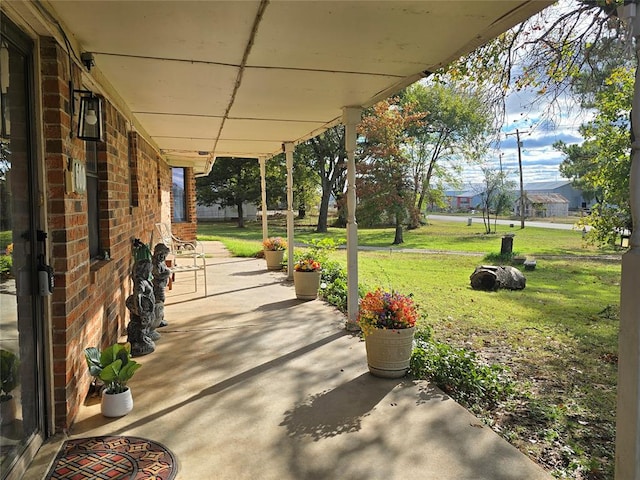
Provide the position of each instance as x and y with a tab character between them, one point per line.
90	118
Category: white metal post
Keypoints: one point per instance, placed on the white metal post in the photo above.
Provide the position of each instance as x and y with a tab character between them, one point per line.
263	188
288	151
628	408
350	118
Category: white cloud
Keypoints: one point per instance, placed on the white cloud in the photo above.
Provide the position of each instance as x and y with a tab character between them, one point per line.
540	125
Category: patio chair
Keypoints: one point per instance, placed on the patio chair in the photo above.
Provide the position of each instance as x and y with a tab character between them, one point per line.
175	244
181	249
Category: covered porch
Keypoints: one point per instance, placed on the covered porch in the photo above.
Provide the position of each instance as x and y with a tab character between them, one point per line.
251	383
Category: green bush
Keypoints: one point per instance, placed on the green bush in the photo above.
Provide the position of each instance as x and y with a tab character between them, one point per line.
333	285
6	264
459	373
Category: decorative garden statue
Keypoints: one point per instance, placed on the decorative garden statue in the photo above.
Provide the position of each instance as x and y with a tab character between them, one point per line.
161	274
141	305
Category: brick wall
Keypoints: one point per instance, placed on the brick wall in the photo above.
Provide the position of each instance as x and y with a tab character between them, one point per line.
187	230
88	303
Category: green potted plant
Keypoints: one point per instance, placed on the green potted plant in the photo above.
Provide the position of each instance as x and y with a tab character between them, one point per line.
307	272
114	367
388	320
9	379
274	248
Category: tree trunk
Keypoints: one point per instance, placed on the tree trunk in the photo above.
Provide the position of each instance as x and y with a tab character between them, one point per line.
240	215
342	212
491	278
398	238
421	199
323	214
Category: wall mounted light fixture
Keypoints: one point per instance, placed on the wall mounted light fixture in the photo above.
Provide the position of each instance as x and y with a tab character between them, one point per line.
90	118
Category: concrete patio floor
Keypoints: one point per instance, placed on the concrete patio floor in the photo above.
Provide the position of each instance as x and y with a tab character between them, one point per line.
250	383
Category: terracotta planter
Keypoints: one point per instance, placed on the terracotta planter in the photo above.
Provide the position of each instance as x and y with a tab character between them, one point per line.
274	259
116	404
389	352
307	284
8	411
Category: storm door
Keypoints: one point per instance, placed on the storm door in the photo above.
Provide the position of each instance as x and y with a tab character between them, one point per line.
21	255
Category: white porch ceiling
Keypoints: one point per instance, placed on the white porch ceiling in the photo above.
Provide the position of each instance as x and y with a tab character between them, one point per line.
239	78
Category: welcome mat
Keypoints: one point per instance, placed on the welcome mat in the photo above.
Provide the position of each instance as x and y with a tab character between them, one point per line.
113	458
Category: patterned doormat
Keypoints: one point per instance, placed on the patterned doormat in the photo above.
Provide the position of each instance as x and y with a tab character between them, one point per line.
113	458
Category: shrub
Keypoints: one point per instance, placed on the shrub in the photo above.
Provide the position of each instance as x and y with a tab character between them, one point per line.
459	373
6	264
333	285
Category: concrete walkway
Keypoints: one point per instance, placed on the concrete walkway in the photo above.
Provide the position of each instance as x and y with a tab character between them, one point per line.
250	383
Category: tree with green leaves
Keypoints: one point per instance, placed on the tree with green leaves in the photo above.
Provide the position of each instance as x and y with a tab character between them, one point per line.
457	126
579	161
325	158
384	183
568	48
604	163
231	182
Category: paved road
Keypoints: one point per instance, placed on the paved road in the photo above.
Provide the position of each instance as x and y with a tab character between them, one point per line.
516	223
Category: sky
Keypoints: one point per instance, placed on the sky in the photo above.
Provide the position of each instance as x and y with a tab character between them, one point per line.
543	125
539	129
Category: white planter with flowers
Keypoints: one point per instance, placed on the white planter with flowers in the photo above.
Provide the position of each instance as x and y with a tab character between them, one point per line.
307	273
387	320
274	248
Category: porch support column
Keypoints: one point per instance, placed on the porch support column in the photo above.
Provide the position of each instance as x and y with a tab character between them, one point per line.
628	408
288	151
263	189
350	119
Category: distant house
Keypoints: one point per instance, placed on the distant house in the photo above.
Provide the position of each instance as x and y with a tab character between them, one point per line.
572	199
564	188
543	205
462	201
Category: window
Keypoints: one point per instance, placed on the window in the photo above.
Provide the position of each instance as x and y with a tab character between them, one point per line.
179	195
93	202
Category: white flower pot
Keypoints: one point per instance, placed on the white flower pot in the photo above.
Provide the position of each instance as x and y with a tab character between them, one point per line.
306	284
274	259
116	404
389	351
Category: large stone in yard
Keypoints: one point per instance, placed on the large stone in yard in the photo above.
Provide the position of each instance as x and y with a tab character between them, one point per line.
490	278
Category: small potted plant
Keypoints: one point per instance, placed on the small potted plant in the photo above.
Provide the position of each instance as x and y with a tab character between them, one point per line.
115	368
307	272
274	248
9	379
388	320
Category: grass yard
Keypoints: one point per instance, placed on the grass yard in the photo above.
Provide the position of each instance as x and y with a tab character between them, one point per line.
558	335
438	235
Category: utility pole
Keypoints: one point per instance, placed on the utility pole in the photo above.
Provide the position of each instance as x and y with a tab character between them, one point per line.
517	134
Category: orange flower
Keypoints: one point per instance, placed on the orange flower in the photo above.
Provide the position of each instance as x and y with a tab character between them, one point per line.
390	310
274	243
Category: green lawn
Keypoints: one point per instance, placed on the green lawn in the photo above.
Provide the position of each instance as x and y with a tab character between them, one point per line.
558	335
451	236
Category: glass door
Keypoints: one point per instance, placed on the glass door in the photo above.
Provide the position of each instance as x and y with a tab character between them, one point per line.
21	248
